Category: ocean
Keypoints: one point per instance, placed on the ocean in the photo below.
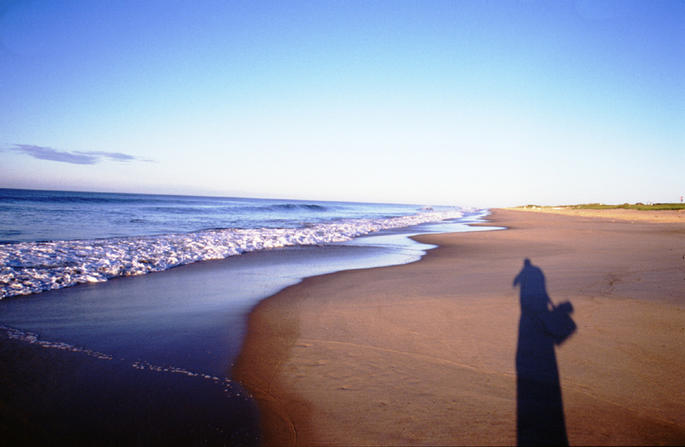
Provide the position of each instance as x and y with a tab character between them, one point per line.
153	293
55	239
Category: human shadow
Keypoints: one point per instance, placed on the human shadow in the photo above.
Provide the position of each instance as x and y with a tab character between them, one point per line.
540	411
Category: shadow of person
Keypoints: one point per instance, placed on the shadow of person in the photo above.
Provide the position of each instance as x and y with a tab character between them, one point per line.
539	407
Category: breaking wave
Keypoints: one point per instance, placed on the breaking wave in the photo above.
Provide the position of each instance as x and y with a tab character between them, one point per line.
32	267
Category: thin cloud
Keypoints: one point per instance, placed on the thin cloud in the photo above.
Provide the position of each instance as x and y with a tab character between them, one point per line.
48	153
73	157
116	156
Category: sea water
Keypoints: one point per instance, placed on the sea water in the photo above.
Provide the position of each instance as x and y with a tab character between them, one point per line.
193	318
55	239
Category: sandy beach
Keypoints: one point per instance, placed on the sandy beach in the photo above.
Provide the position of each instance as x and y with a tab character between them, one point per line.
426	353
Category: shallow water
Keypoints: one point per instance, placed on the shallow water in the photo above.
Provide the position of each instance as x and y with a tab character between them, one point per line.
193	316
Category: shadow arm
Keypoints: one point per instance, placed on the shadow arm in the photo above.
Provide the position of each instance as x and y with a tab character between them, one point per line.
517	280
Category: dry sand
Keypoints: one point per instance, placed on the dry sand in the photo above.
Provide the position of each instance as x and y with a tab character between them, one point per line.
424	353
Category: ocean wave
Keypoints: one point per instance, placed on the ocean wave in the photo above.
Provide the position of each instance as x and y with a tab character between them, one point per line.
176	209
276	207
297	206
199	210
32	267
57	199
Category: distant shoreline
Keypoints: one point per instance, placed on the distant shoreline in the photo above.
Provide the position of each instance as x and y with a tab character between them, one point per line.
663	216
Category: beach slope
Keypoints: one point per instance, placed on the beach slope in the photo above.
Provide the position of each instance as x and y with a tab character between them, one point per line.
425	353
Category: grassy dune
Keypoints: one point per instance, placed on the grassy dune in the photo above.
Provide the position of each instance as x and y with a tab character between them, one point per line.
627	206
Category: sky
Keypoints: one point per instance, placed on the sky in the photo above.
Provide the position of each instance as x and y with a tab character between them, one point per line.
478	103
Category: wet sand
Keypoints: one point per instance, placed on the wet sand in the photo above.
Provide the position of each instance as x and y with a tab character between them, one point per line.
424	353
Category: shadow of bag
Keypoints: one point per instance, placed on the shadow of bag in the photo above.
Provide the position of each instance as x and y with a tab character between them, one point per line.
558	322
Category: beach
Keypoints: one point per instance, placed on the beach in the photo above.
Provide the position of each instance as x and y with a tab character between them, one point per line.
426	353
274	224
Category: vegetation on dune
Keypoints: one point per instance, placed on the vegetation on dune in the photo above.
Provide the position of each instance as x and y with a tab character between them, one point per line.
626	206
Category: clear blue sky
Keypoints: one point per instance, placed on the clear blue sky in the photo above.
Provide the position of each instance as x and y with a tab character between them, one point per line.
485	103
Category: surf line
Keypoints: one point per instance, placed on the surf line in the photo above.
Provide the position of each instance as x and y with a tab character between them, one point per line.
141	365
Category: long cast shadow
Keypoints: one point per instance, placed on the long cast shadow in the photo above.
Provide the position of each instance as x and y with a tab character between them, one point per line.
540	411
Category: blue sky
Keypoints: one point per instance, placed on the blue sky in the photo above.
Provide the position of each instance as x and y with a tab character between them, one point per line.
486	103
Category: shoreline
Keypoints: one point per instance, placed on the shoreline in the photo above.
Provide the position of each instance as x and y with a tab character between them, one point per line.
424	352
192	319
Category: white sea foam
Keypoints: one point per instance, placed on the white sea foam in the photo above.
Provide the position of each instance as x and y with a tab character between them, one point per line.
225	382
31	267
34	339
31	338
